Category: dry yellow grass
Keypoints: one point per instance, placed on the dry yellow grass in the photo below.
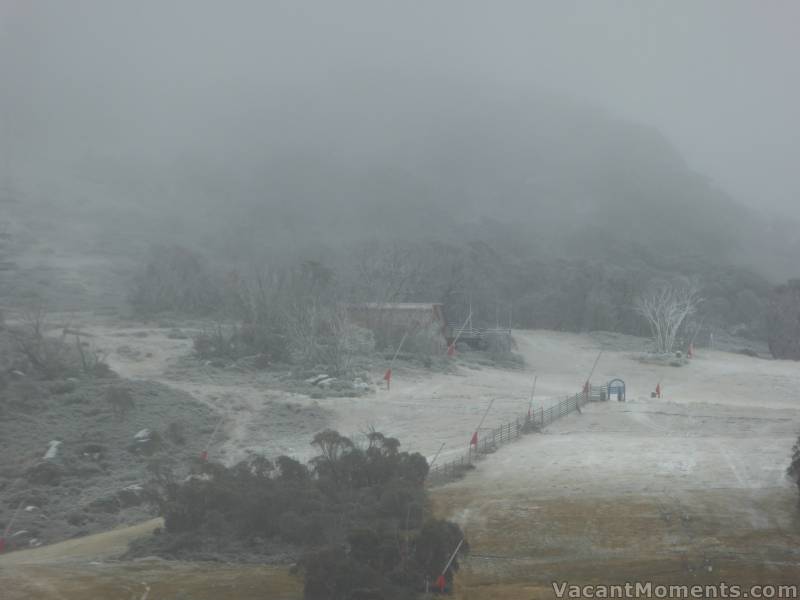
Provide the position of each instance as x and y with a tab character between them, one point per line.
85	568
521	545
108	543
156	579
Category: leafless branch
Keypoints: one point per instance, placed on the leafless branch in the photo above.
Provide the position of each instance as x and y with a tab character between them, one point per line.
665	307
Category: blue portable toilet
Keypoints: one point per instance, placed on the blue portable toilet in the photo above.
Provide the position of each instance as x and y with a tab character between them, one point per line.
616	387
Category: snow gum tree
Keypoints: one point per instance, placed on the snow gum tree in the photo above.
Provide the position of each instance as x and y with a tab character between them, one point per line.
665	306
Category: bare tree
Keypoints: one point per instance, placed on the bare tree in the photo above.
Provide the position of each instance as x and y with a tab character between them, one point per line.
52	356
665	307
49	356
293	314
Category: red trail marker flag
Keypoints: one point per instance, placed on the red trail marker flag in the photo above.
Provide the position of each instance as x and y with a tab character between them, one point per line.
474	440
388	377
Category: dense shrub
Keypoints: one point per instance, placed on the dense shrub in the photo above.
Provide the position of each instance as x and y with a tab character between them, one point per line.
357	515
332	574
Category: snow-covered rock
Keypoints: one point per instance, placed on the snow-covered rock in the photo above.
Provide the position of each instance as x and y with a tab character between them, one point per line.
52	450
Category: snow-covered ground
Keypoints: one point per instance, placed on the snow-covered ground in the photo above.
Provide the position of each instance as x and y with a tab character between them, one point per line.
425	409
693	483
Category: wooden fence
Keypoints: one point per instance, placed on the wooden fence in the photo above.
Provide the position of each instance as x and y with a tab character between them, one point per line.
477	336
490	440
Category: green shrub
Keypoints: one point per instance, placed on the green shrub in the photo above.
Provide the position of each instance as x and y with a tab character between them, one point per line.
357	516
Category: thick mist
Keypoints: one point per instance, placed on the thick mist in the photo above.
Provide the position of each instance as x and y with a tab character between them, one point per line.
618	131
158	83
329	299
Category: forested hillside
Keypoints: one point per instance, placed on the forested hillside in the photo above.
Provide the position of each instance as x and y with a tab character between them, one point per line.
533	208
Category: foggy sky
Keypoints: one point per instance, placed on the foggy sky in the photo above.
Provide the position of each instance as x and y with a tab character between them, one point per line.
159	79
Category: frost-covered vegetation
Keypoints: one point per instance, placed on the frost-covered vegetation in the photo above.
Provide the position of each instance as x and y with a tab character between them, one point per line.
783	321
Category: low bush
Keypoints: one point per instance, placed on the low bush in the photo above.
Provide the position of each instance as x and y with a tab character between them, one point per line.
783	321
793	471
